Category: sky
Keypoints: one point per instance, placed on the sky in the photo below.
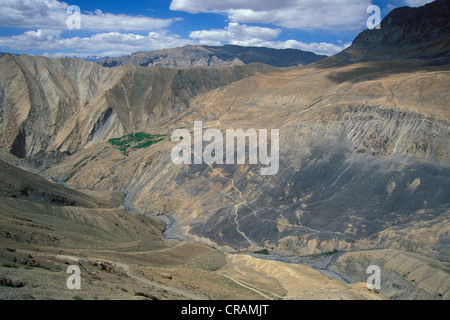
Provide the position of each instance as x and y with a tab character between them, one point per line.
114	28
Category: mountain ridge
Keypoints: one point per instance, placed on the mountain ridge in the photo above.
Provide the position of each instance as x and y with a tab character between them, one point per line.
62	105
406	33
192	56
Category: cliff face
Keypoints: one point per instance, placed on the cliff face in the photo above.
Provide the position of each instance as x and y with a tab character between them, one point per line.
208	56
44	100
406	33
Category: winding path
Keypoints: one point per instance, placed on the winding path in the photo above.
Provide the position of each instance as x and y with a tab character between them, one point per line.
130	272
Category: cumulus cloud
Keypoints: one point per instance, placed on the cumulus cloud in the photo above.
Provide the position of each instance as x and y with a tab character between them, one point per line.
295	14
235	32
117	43
316	47
101	44
417	3
197	6
52	14
244	35
116	34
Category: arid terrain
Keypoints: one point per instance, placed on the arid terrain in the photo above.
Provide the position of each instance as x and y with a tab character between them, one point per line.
123	255
363	179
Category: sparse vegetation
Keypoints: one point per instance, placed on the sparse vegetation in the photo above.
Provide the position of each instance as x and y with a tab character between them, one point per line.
325	254
329	253
69	177
139	140
77	298
264	251
147	144
9	265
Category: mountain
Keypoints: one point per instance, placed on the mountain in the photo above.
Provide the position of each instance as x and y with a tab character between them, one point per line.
364	167
20	184
208	56
64	105
364	164
406	33
46	227
90	58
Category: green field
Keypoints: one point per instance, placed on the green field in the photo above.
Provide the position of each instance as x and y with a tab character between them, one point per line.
139	140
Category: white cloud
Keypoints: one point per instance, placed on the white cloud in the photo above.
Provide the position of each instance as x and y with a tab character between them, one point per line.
324	48
417	3
117	35
295	14
111	22
102	44
244	35
196	6
118	44
235	32
52	14
316	47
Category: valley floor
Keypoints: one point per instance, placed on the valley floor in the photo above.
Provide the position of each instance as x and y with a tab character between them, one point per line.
123	256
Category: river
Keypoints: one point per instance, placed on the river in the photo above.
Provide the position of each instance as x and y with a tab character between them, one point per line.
321	262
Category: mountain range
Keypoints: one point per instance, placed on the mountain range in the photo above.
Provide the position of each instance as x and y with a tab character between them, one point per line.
208	56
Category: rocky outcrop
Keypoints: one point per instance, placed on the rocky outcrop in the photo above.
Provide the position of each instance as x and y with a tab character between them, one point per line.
406	33
405	276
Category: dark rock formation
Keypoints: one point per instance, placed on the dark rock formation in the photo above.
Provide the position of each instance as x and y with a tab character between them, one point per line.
406	33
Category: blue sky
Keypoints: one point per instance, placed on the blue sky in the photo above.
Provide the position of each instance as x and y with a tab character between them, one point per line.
114	28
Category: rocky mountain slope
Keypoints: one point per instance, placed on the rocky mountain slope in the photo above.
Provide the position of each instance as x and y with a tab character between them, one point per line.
123	255
64	105
208	56
406	33
356	164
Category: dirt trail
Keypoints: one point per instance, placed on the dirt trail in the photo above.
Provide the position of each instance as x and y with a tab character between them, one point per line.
250	288
130	272
300	282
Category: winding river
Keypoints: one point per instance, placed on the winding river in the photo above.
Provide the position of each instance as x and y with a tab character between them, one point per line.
321	263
